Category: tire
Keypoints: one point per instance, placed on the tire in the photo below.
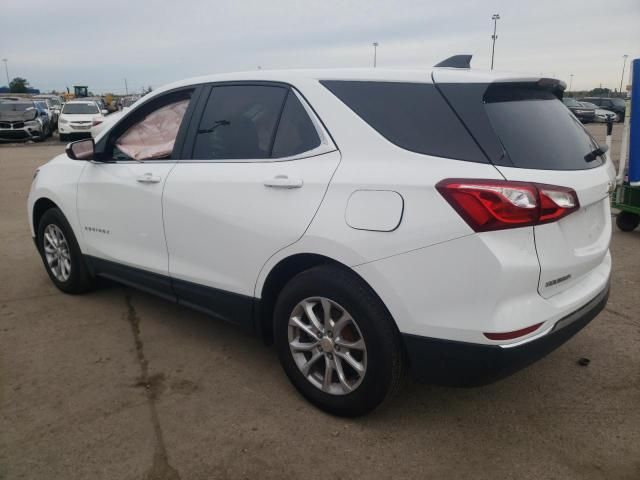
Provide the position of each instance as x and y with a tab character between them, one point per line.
383	357
77	278
620	117
627	221
64	137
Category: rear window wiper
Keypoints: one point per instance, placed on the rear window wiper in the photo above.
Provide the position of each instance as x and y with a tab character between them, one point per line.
598	152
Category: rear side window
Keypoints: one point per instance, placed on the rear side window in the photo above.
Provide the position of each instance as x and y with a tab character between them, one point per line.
296	132
413	116
239	122
537	130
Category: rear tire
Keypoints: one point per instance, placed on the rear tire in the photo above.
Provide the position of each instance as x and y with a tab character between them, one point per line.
627	221
61	254
359	328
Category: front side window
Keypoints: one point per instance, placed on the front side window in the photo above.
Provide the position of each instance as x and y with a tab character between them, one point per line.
152	132
239	122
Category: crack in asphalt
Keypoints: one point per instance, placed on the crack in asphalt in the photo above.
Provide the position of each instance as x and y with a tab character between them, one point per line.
160	468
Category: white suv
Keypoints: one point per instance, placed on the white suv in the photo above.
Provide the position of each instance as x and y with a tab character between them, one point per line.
453	223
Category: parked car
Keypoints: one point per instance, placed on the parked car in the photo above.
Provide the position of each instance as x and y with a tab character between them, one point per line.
582	113
21	119
77	118
55	104
601	115
617	105
46	113
366	221
126	102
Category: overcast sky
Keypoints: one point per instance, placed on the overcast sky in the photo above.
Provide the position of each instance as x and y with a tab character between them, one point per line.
59	43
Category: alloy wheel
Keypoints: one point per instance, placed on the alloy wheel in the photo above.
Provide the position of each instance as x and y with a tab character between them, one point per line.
56	251
327	345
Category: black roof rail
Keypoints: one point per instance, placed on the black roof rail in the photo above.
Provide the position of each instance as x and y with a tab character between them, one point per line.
457	61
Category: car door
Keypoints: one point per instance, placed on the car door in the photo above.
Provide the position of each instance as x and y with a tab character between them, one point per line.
119	197
259	165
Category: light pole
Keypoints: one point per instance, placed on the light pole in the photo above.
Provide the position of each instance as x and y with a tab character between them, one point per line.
6	69
495	17
624	64
570	81
375	53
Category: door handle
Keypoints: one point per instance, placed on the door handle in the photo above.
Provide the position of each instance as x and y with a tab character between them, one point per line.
148	178
283	181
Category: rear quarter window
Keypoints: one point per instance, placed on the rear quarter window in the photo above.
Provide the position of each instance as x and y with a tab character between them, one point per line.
413	116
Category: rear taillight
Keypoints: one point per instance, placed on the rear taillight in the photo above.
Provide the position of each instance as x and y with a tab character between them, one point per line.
488	205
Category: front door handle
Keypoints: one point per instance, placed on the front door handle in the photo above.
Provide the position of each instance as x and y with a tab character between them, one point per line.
148	178
283	181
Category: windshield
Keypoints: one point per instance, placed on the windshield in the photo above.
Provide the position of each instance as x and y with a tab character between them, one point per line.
80	108
537	130
15	107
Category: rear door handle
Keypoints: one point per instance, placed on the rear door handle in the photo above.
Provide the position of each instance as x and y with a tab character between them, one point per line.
148	178
283	181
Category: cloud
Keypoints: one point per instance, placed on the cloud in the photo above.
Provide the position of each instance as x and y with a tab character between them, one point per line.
59	44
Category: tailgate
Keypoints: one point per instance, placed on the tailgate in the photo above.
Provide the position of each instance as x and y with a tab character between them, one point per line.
531	136
573	246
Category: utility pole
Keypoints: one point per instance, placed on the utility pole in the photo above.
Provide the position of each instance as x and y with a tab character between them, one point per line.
495	17
570	81
126	88
375	53
624	64
6	70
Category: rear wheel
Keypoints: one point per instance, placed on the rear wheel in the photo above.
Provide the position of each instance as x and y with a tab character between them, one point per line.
61	254
337	342
627	221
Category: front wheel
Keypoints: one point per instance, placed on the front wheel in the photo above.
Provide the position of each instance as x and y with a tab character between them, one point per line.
627	221
337	342
61	254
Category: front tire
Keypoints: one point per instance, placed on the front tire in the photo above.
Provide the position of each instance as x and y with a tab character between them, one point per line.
627	221
337	342
64	137
61	254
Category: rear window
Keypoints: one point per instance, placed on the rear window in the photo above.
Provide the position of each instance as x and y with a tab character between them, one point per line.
537	130
413	116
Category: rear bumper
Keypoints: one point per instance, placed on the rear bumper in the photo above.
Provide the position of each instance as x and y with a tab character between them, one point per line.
453	363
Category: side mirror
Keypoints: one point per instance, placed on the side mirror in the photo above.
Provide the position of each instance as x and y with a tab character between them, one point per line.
104	111
81	150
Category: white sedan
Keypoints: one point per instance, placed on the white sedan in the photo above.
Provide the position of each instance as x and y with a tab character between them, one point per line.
77	118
